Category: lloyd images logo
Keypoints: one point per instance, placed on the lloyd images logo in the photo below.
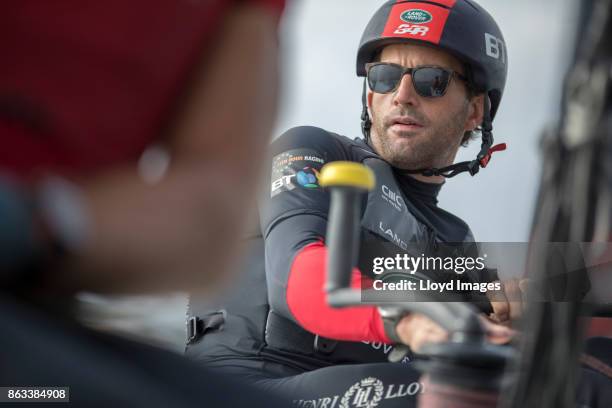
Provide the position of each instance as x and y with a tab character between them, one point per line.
416	16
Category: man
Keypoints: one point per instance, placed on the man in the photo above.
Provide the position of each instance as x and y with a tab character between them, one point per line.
89	88
430	83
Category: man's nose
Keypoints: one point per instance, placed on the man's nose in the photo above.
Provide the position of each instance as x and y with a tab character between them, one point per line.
405	93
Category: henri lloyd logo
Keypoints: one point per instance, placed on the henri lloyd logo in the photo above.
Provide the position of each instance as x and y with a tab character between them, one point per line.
416	16
367	393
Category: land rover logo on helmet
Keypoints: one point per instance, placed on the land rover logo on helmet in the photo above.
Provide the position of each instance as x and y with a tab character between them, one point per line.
416	16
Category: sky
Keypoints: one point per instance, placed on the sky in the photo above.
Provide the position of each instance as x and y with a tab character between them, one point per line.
319	40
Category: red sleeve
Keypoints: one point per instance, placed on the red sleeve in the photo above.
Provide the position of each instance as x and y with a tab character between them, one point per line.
306	301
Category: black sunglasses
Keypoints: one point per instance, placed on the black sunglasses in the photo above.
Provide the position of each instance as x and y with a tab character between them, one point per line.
429	82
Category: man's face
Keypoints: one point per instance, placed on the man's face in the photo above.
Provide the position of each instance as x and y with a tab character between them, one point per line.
414	132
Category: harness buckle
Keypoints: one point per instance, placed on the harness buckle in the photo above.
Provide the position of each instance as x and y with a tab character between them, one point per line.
194	329
323	345
198	327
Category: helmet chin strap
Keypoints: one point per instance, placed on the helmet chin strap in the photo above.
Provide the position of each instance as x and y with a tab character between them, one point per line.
366	123
473	166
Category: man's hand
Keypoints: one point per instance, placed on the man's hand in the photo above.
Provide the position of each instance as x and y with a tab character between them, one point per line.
508	305
416	329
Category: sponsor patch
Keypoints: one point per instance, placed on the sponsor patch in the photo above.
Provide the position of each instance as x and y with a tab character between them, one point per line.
297	168
416	16
393	198
424	21
388	233
495	47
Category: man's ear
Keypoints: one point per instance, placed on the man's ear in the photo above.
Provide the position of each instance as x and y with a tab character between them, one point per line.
475	112
369	97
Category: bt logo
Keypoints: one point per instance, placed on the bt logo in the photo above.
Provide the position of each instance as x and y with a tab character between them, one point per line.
495	47
308	177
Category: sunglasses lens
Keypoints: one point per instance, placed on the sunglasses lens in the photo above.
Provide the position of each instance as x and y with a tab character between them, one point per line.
430	82
384	78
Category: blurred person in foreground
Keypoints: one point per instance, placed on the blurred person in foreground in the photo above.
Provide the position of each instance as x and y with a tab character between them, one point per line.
86	89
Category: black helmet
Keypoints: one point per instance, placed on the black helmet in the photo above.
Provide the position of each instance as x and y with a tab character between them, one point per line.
460	27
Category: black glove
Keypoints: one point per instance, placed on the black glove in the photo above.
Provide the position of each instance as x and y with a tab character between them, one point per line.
20	247
38	228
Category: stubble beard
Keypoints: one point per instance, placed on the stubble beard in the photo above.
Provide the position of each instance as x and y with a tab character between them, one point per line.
435	146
